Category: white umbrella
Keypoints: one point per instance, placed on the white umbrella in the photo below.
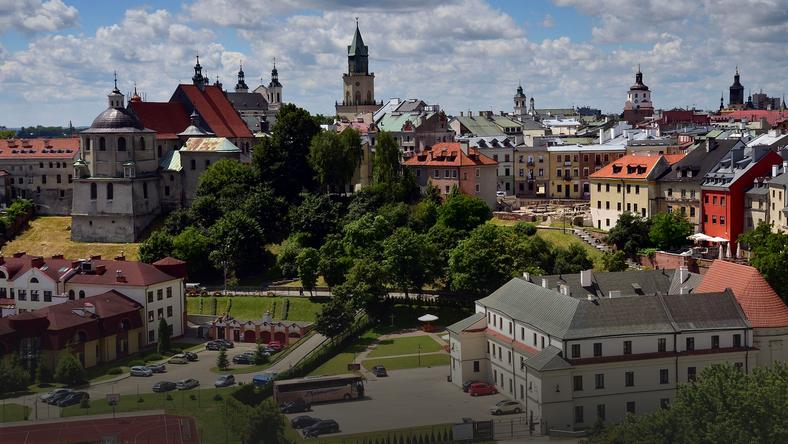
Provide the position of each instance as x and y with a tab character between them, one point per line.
698	237
722	253
728	250
717	239
428	318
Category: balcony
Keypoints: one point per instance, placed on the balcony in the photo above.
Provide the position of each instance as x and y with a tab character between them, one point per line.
531	162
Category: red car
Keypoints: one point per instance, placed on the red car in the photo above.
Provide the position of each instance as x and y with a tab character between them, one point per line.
276	345
481	389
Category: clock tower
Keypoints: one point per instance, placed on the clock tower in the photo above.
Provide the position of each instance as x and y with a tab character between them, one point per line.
358	83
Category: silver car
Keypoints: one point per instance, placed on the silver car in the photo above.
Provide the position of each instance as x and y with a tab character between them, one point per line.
139	370
506	406
186	384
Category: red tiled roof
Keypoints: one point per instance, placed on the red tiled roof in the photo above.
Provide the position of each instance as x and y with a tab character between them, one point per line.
673	158
166	118
63	148
772	116
760	302
215	110
70	313
447	154
631	166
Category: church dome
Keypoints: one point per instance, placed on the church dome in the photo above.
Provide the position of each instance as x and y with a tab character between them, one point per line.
116	118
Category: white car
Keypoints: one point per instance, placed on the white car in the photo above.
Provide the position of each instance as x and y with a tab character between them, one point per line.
506	406
500	193
140	370
180	358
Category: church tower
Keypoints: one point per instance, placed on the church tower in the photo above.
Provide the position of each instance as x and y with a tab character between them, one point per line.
736	98
274	90
358	82
638	105
519	103
241	85
197	79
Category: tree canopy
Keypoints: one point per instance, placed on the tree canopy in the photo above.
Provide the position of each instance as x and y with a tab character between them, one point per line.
386	166
630	234
769	256
335	158
669	231
463	212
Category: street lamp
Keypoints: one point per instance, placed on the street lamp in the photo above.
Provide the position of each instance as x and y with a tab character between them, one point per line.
419	355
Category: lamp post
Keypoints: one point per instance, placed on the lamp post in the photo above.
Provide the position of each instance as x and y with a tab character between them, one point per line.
419	355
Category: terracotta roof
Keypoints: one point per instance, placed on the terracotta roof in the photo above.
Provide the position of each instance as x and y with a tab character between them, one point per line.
632	166
447	154
169	261
772	116
166	118
64	148
71	313
760	302
215	110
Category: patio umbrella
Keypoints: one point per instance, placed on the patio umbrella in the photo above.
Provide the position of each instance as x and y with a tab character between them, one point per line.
428	318
698	237
722	253
728	251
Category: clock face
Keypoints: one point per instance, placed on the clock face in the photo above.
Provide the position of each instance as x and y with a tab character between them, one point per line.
358	83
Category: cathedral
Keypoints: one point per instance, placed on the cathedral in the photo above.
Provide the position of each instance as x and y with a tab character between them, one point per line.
358	82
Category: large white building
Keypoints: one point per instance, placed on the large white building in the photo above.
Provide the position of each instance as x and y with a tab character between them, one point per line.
577	349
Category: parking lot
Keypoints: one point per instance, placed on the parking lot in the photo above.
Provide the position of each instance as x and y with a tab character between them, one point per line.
407	398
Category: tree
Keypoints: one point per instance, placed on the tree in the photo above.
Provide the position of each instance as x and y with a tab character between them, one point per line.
463	212
364	287
178	221
572	259
158	245
13	376
164	337
386	165
259	354
43	374
317	216
630	234
408	259
615	261
335	158
423	215
206	210
479	264
308	261
263	424
363	237
287	259
193	246
335	317
270	212
525	228
229	181
221	359
334	261
69	370
669	231
769	256
238	242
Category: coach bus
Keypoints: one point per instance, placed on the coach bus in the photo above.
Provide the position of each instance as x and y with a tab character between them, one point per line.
319	389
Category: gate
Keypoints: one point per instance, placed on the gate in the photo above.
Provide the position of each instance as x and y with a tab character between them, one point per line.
513	428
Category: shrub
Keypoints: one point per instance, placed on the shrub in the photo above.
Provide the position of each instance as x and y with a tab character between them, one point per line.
213	306
140	400
193	397
69	370
217	397
115	371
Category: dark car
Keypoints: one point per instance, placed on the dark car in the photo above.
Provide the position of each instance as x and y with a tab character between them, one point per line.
228	344
467	384
73	399
191	356
242	359
215	345
164	386
57	397
321	428
379	371
297	406
270	350
300	422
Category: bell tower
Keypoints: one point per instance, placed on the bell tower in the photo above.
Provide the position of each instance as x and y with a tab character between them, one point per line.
358	83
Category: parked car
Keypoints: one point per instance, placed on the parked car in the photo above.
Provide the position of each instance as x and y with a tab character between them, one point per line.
500	194
379	371
140	370
321	428
224	381
481	389
506	406
54	399
263	379
227	343
72	399
191	356
297	406
270	351
164	386
303	421
156	368
45	396
467	384
180	358
242	359
213	345
186	384
276	345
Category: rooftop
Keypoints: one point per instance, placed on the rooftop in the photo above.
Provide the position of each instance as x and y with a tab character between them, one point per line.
65	148
449	154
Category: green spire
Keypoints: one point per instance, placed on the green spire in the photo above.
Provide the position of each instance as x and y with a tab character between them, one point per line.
357	46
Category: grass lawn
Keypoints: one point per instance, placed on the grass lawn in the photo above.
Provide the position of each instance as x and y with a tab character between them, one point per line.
557	237
338	364
254	307
321	282
48	235
10	412
404	346
403	362
208	413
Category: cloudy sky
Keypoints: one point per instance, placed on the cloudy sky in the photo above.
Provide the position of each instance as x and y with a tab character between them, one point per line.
57	56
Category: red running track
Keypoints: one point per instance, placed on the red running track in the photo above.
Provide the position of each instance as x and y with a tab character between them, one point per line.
152	429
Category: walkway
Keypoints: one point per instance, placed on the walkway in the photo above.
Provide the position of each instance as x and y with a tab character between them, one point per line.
298	354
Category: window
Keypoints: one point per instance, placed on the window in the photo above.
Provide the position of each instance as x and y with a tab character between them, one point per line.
159	294
110	192
144	190
169	311
629	379
150	316
618	206
34	295
722	220
737	340
597	349
575	350
664	403
160	313
670	191
599	204
714	219
627	347
22	295
509	356
169	292
661	345
151	335
607	205
476	366
715	341
82	294
714	200
637	189
102	144
722	200
691	373
663	376
629	189
542	341
599	381
93	191
599	187
600	412
150	296
44	179
142	144
631	407
578	414
558	172
193	164
690	344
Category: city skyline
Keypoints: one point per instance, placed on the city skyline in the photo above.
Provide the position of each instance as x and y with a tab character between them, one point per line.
57	57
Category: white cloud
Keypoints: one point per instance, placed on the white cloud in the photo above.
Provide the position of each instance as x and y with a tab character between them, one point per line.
31	16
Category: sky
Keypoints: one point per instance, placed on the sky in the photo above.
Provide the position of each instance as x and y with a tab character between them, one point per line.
57	57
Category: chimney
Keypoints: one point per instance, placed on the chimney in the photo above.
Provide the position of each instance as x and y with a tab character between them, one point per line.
464	146
564	289
57	256
119	276
90	308
544	282
614	294
527	276
785	166
775	169
683	274
120	257
612	133
601	136
586	276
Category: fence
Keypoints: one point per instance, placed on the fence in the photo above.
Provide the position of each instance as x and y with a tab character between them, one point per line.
436	434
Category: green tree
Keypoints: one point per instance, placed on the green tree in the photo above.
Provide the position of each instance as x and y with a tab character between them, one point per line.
238	242
178	221
259	354
206	210
158	245
408	260
263	424
334	318
364	287
479	264
572	259
525	228
287	259
669	231
363	237
308	262
7	134
164	337
463	212
630	234
221	359
769	256
43	373
424	215
386	165
335	158
270	212
69	370
317	216
334	261
193	246
13	376
229	181
615	261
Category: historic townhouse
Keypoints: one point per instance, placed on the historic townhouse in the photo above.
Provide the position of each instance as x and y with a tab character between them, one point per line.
777	200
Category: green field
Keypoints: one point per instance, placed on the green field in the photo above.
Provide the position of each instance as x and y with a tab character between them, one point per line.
412	361
254	307
10	412
405	346
338	364
561	239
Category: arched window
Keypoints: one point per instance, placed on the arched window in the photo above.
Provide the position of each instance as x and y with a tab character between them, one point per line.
87	143
142	143
82	294
102	144
2	275
93	191
33	280
71	295
110	191
121	144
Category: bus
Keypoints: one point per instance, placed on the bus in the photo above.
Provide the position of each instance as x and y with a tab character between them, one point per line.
319	389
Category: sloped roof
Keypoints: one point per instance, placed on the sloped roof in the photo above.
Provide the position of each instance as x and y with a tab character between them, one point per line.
166	118
480	126
449	154
215	110
63	148
171	161
705	311
460	326
210	144
70	313
632	166
760	302
603	282
700	160
549	358
247	100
